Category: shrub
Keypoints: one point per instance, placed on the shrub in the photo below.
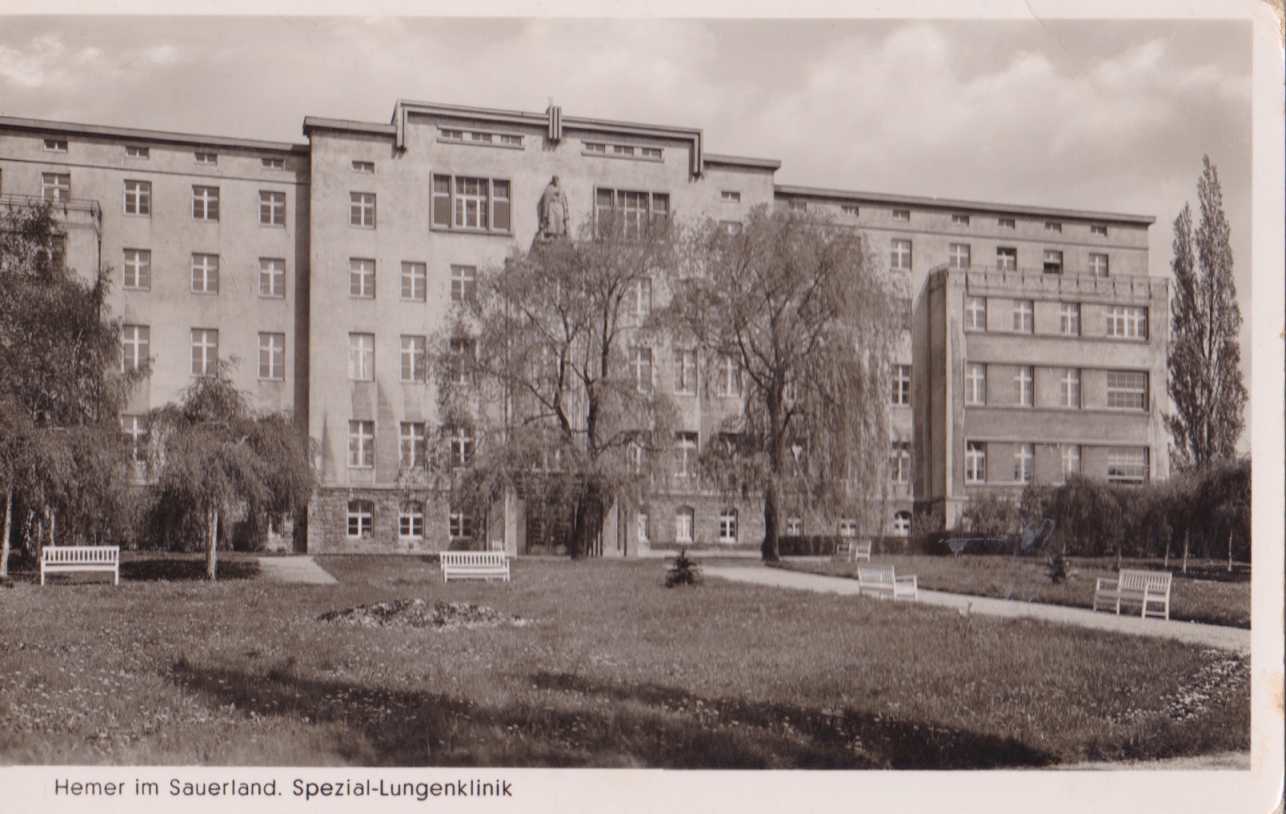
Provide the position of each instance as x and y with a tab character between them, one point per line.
683	571
991	516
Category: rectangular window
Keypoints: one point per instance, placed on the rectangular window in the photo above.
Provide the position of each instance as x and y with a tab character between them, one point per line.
958	256
728	526
479	204
794	526
273	163
685	371
903	215
56	145
415	358
900	255
272	356
1127	389
730	196
413	444
900	462
135	151
462	444
1024	459
410	520
136	347
622	149
1069	318
415	281
976	384
135	427
205	203
358	517
642	367
1006	258
731	228
728	383
1071	459
630	212
205	274
595	147
976	313
361	209
510	139
902	384
1127	322
975	462
482	138
207	159
361	278
1098	265
272	208
960	220
852	210
272	277
137	273
1053	262
1024	386
463	352
1069	388
205	351
450	134
685	454
1127	465
459	525
1007	224
361	357
1098	229
796	204
642	298
55	186
364	167
1053	226
138	198
361	444
1024	316
464	283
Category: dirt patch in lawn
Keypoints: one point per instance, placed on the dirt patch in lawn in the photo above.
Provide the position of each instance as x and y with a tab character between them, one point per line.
421	613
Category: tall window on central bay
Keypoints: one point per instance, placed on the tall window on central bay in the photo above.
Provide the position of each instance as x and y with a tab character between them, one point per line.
683	524
728	526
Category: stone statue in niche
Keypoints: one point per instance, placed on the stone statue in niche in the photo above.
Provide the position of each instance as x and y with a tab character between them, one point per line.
552	211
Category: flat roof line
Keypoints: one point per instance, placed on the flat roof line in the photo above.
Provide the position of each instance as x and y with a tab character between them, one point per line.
323	123
136	134
742	161
790	190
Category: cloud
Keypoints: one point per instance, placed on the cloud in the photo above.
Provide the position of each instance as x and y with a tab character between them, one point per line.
34	66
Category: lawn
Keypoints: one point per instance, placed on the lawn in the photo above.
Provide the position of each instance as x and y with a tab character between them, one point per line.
1208	594
612	669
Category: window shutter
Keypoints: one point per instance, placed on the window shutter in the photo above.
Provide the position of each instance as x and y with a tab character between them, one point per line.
442	200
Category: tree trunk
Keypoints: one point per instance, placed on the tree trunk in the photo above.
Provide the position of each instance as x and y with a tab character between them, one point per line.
1186	540
212	545
1167	553
8	529
769	550
53	526
588	523
1229	551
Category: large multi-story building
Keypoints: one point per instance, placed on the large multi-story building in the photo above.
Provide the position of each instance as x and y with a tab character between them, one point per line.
323	269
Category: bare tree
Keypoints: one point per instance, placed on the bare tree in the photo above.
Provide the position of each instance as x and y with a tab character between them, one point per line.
797	308
549	368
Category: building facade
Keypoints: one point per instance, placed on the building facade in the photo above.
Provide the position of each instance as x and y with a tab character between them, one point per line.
321	271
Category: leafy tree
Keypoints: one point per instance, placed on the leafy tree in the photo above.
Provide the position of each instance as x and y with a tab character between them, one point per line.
1205	380
551	366
61	388
214	459
794	311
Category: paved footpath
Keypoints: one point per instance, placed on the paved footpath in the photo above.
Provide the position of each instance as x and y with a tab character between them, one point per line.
294	569
1225	638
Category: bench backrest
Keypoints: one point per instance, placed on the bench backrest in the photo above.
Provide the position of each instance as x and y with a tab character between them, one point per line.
875	573
471	558
80	555
862	547
1131	580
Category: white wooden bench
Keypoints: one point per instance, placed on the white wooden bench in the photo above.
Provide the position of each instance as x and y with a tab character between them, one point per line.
850	550
1150	590
474	565
69	558
880	581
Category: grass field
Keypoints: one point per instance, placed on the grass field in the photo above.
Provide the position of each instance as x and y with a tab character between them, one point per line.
613	670
1209	594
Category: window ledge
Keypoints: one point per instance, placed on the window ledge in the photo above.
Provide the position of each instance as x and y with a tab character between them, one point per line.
461	230
649	160
495	145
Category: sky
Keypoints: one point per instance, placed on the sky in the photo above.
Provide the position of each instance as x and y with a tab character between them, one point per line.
1108	115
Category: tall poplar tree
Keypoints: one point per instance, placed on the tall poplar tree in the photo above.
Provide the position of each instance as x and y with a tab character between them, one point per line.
1205	381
